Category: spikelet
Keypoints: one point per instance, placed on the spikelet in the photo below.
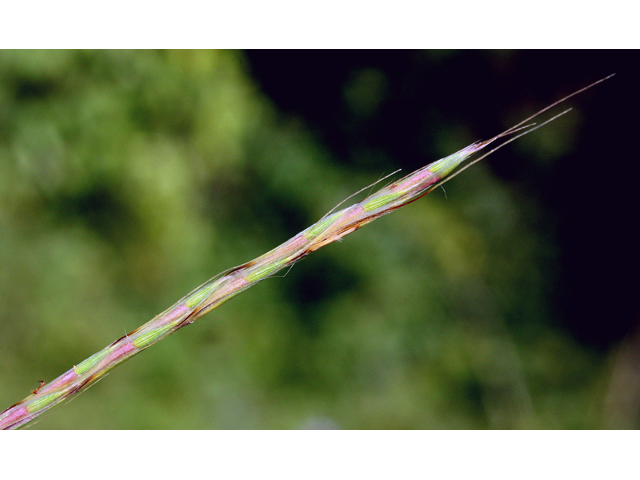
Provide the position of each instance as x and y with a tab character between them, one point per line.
333	226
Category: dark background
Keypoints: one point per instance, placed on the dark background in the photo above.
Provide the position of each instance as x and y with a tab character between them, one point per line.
511	301
593	211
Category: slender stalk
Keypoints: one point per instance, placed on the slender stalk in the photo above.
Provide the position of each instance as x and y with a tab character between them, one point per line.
333	226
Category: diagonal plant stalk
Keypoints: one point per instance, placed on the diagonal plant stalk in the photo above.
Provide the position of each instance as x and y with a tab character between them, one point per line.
333	226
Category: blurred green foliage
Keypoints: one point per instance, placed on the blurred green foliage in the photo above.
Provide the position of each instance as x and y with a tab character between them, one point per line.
127	178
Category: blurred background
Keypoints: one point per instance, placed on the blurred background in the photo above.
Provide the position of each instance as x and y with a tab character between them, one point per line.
508	299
